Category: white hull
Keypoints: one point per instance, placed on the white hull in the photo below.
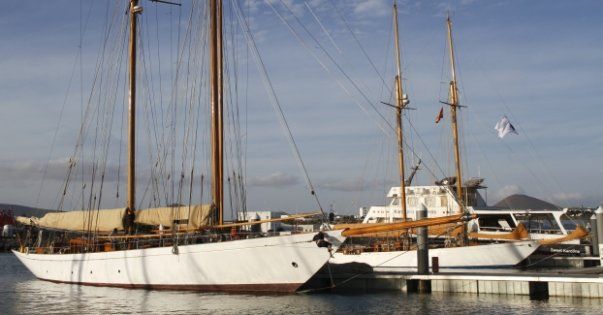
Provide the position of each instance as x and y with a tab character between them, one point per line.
268	264
479	256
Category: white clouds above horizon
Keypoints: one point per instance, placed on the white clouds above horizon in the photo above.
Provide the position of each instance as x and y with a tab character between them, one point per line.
368	8
277	179
551	84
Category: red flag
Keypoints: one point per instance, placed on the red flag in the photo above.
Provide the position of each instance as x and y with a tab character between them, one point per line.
440	115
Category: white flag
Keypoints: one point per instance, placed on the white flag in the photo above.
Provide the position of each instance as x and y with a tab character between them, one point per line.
504	127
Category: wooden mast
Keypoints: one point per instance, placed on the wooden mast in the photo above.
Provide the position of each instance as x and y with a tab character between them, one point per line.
454	104
131	190
217	132
400	102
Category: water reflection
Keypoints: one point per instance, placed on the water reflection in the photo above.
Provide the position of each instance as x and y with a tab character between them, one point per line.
20	293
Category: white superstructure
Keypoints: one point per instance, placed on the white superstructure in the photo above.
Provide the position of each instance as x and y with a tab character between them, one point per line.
441	201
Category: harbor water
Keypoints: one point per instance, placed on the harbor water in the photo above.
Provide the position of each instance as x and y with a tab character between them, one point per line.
21	293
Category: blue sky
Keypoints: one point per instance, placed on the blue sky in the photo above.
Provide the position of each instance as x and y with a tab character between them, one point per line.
538	62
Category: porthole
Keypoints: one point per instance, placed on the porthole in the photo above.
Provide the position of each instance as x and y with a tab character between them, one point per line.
294	264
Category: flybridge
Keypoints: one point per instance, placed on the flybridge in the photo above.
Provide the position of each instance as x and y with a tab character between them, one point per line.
439	200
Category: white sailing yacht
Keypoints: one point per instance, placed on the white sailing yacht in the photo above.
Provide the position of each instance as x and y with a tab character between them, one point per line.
204	262
463	255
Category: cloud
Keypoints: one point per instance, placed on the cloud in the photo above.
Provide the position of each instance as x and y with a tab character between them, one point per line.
508	191
568	197
467	2
372	8
56	170
353	184
277	179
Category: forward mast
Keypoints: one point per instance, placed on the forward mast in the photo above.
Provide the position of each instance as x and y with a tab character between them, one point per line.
401	102
135	9
217	127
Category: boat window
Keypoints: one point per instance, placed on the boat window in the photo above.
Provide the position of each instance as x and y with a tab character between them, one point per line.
496	222
412	201
568	223
443	201
571	223
542	223
395	202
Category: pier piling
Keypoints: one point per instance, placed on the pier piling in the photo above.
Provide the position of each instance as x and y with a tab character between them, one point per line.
423	286
599	217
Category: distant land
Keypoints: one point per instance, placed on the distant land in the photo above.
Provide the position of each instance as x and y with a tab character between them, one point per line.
25	211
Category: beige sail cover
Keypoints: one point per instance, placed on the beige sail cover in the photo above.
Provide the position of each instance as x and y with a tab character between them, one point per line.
197	216
102	220
106	220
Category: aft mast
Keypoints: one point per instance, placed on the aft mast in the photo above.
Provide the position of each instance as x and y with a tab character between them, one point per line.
454	104
217	130
401	102
131	193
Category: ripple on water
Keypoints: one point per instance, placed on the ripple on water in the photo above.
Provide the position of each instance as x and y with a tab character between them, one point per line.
21	293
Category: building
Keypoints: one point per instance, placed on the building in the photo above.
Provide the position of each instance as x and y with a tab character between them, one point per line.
263	215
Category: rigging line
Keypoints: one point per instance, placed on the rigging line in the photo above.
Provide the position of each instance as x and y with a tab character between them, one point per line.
112	99
159	62
156	120
186	113
537	178
180	51
160	121
54	137
540	161
121	145
235	142
103	73
418	135
106	113
236	110
243	180
192	117
349	28
150	120
481	124
324	66
490	167
529	170
274	100
340	69
386	58
149	104
324	29
83	130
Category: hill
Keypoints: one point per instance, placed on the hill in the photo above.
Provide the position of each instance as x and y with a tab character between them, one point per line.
524	202
25	211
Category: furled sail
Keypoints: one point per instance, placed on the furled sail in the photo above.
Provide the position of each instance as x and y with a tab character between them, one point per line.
195	216
105	220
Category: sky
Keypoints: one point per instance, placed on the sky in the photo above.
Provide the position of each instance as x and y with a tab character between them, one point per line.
539	63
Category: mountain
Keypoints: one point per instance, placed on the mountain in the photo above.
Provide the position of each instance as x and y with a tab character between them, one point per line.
24	211
523	202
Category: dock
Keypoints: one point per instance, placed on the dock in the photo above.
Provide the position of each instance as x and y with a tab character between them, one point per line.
536	285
